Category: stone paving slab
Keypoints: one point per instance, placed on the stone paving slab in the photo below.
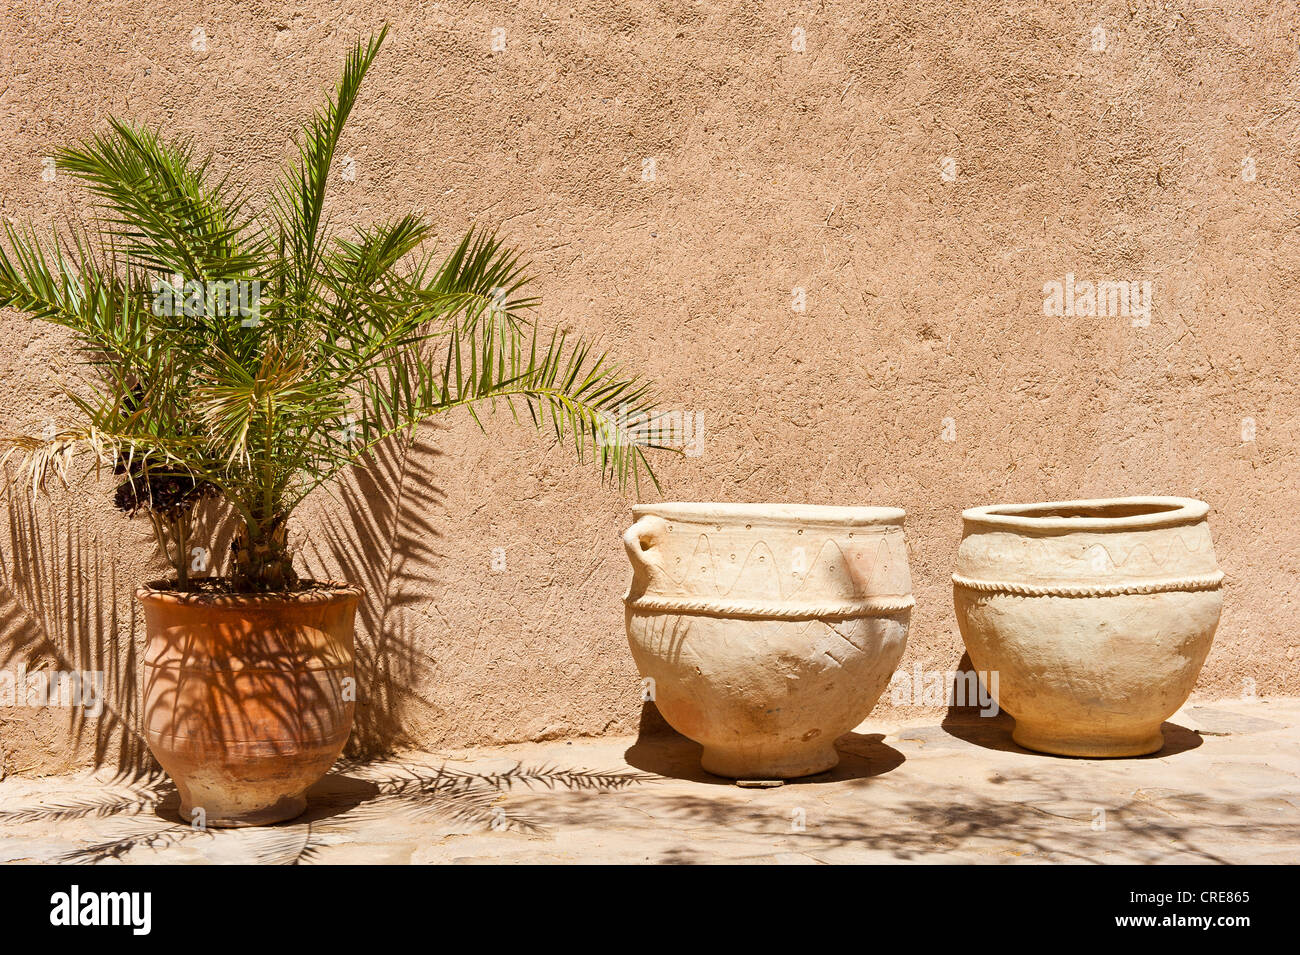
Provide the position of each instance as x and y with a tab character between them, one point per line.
1226	789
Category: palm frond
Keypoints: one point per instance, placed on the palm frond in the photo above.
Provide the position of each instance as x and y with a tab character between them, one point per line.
482	276
584	397
566	388
336	344
31	283
45	461
300	194
161	205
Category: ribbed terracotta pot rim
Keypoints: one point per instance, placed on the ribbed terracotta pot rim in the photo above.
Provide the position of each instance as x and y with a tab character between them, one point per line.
157	592
1096	514
773	514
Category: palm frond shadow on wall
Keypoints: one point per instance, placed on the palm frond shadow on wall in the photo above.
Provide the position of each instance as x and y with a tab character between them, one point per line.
383	540
64	607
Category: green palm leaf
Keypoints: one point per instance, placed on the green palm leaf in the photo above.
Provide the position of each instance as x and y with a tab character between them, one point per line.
337	343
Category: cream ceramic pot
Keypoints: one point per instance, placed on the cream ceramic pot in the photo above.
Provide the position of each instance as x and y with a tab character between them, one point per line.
766	631
1096	616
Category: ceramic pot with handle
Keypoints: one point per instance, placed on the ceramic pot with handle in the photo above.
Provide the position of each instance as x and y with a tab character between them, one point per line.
767	631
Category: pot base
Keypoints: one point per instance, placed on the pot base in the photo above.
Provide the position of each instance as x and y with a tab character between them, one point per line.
288	808
741	764
1089	746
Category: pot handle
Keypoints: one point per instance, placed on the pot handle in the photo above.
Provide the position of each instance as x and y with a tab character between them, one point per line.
641	540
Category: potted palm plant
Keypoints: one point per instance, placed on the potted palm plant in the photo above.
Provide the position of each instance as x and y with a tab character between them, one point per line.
248	354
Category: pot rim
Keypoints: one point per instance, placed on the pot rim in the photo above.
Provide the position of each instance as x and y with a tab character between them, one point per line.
1165	512
155	592
772	514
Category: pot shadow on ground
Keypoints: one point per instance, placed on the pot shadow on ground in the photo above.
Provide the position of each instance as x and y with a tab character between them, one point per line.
661	750
335	795
967	723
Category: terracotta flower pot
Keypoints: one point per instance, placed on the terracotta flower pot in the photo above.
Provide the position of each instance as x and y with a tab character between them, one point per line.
768	630
1096	615
246	704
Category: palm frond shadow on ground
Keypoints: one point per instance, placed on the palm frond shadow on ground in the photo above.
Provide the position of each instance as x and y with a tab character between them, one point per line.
1007	816
144	815
128	798
1056	828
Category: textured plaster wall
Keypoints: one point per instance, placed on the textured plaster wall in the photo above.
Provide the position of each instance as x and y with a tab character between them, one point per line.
774	169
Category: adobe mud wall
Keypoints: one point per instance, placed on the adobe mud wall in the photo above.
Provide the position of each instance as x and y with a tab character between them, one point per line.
829	230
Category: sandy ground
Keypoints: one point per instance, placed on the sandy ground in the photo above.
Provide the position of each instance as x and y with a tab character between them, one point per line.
1225	789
